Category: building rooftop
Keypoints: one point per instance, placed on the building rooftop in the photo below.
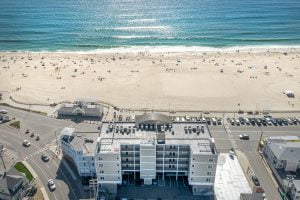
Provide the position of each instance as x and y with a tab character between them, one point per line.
81	141
156	129
81	107
285	147
10	180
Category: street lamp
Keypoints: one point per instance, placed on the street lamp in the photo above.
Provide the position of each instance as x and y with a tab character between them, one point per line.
261	135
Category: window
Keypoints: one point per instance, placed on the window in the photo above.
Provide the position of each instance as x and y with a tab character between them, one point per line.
82	158
93	164
83	164
208	173
192	165
101	165
100	158
208	180
209	166
210	160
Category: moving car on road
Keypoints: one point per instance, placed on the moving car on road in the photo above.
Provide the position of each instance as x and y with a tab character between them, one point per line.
2	111
44	157
244	137
255	181
26	143
51	185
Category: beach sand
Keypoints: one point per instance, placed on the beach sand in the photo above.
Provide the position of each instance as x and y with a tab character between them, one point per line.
209	81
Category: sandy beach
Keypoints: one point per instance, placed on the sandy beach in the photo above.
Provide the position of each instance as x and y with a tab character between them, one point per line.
208	80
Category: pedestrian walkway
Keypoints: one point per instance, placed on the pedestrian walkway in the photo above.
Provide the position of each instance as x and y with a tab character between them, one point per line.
9	153
35	153
230	136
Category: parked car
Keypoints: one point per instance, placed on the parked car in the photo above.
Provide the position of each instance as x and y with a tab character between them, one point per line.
26	143
285	121
290	121
51	185
2	111
44	157
255	181
37	138
27	131
268	120
252	121
214	121
32	134
237	122
232	121
274	121
258	121
208	120
247	121
280	121
244	137
242	120
219	121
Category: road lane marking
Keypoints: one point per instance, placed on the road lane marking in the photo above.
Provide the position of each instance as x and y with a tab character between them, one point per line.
42	173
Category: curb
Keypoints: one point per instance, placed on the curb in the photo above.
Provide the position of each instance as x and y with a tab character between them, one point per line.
34	174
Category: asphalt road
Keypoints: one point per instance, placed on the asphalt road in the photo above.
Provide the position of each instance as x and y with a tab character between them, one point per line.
224	142
48	129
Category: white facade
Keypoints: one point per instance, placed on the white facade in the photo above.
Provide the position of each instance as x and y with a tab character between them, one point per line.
283	152
74	148
186	149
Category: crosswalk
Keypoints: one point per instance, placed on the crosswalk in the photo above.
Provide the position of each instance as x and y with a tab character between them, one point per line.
35	153
230	136
9	153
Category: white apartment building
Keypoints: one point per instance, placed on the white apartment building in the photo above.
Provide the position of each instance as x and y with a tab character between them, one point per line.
153	147
79	148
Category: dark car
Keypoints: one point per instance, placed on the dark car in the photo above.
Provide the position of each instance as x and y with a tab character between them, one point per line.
258	122
252	121
208	120
242	120
285	121
274	121
255	181
244	137
279	121
45	158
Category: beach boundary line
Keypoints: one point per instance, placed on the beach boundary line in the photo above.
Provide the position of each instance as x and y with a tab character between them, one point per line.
173	111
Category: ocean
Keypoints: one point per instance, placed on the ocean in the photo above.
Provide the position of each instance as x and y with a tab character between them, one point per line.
95	25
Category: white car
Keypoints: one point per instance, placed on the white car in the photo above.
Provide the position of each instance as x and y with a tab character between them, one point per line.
26	143
51	184
2	111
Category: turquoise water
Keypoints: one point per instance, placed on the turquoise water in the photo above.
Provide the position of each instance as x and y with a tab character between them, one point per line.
81	25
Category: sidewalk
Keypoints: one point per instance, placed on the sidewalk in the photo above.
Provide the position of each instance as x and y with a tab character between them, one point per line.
40	190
